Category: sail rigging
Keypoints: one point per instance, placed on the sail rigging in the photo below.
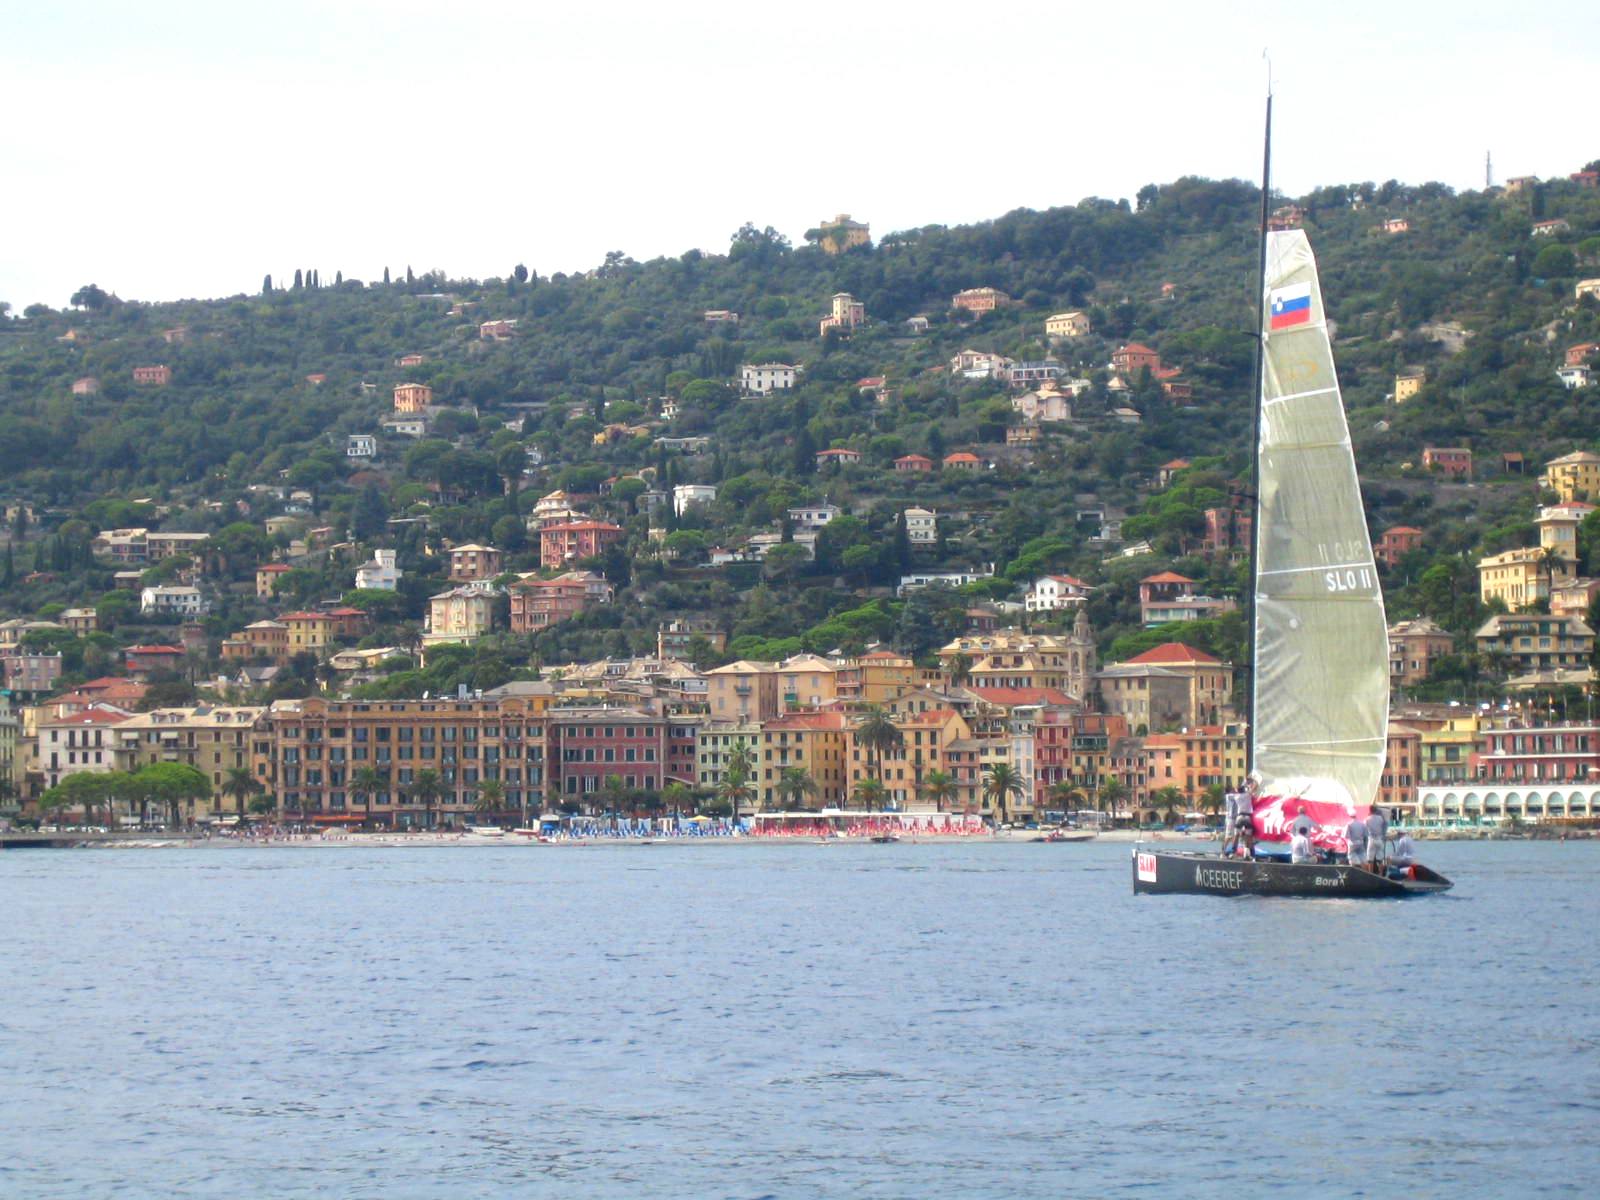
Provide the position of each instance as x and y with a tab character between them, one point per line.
1320	654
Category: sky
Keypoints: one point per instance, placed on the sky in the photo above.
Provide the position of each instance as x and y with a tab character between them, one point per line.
170	149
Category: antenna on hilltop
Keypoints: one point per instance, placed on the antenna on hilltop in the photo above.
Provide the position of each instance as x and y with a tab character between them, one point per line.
1488	170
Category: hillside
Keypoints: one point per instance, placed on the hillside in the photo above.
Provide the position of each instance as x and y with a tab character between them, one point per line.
266	388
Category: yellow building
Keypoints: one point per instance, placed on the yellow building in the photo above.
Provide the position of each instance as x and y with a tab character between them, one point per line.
1519	578
1407	386
1067	325
1445	752
462	614
903	770
1558	528
814	743
211	740
309	632
744	692
841	234
1574	476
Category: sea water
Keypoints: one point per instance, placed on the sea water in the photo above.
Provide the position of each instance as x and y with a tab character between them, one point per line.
972	1020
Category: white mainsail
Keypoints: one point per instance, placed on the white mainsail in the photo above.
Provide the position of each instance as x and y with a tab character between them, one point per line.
1321	651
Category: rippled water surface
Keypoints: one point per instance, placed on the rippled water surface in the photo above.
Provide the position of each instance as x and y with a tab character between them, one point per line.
755	1021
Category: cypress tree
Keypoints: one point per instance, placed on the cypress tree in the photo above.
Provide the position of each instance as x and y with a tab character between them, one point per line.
386	277
298	281
410	278
266	285
338	279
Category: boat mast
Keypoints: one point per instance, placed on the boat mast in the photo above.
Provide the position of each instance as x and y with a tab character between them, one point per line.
1255	428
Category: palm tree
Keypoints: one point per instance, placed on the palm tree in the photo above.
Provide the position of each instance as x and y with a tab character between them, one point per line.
241	785
614	793
878	732
1168	799
1112	792
491	797
960	669
427	789
1551	560
365	784
938	786
734	791
1064	794
1000	783
795	785
869	794
677	797
1211	800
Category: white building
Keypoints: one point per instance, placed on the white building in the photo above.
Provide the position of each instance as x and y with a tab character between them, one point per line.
413	425
181	601
954	579
978	364
685	495
812	516
361	445
1050	593
922	526
760	379
1575	377
379	573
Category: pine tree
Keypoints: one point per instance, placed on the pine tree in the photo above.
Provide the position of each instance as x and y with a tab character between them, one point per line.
519	273
902	543
8	574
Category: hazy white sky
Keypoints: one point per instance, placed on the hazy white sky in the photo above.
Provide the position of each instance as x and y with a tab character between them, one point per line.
168	149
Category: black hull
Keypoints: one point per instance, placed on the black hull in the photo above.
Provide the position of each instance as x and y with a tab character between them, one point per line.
1179	873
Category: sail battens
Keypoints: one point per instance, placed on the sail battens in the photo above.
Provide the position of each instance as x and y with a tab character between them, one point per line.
1321	681
1300	395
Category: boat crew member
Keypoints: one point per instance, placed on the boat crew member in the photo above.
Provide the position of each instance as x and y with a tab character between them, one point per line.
1355	836
1404	853
1245	821
1377	831
1300	850
1232	803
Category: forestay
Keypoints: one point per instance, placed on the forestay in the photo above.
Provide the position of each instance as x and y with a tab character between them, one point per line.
1321	653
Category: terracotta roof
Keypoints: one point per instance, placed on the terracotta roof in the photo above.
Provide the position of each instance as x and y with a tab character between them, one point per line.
154	650
91	716
1401	529
1166	577
273	567
1136	348
1176	464
961	456
577	526
1174	652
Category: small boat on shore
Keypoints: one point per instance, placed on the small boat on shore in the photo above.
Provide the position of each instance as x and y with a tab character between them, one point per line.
1066	835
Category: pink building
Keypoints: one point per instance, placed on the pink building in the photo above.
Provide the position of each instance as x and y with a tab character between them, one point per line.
589	745
840	456
157	376
913	462
1130	359
980	300
1396	542
87	386
1455	461
563	543
538	603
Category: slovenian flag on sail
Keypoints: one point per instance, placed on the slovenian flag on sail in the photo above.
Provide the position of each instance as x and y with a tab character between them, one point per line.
1289	306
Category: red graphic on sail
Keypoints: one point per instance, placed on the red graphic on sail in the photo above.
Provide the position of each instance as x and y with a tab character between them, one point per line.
1275	817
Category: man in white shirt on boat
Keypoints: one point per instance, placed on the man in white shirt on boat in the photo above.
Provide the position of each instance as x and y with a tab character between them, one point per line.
1404	853
1241	828
1300	848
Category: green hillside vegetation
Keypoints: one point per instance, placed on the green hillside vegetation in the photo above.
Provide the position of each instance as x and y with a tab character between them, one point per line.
1469	295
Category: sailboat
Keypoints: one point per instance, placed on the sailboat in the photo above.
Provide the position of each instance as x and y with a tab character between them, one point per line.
1319	688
